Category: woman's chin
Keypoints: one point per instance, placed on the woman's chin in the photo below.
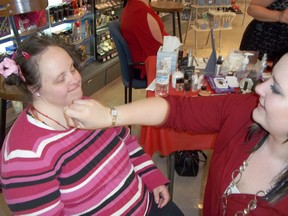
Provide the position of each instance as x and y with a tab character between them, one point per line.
256	115
258	118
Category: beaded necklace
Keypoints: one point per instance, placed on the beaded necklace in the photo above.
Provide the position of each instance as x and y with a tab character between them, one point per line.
33	109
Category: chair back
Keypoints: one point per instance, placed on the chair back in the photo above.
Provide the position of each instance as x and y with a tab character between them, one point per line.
123	51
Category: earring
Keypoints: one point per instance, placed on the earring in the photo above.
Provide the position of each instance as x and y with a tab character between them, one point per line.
37	94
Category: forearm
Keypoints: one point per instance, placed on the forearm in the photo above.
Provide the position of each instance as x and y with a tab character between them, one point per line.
263	14
151	111
90	114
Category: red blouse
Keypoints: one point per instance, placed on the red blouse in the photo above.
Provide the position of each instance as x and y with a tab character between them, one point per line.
135	30
230	117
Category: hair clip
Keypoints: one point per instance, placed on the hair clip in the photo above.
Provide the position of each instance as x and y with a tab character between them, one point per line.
8	66
26	55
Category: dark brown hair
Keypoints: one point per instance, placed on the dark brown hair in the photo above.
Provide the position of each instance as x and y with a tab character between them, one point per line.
34	46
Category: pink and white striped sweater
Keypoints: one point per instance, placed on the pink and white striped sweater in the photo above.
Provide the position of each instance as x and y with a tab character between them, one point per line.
76	172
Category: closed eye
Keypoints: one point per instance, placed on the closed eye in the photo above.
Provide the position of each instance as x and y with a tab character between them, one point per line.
275	90
73	69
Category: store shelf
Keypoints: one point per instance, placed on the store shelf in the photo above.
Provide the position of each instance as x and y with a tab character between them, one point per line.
104	13
72	19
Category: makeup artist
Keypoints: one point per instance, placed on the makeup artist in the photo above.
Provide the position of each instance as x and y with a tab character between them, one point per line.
248	173
49	168
268	31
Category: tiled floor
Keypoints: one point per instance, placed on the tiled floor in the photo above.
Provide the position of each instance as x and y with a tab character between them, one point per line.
188	191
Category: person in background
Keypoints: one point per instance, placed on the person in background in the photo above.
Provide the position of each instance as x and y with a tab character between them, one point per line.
248	173
268	31
143	31
49	168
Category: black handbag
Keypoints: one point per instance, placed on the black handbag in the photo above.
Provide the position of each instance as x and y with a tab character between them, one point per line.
187	162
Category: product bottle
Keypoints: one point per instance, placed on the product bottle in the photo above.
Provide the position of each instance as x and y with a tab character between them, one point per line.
162	79
87	29
190	58
78	31
180	54
263	65
175	76
218	66
187	81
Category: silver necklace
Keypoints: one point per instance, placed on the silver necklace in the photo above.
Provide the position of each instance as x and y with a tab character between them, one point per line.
236	177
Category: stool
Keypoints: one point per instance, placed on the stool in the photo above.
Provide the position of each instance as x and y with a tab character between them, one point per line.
170	7
7	93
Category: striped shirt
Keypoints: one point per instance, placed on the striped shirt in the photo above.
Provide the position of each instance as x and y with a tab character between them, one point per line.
76	172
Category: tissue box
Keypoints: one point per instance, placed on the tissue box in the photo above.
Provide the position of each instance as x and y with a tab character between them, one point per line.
170	57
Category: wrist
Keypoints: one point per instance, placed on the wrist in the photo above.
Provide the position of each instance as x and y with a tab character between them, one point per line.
281	13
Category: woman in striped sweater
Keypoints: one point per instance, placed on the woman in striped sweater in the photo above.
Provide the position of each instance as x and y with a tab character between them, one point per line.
49	168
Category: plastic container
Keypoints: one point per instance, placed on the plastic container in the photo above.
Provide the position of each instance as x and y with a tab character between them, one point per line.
162	79
175	76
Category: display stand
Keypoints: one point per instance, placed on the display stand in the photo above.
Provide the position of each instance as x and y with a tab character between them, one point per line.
195	8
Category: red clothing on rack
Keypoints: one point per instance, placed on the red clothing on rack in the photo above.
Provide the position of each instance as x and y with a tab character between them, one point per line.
135	30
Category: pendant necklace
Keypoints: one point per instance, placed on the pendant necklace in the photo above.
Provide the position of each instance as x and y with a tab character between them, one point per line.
33	110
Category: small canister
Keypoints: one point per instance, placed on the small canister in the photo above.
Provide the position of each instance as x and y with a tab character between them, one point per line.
175	76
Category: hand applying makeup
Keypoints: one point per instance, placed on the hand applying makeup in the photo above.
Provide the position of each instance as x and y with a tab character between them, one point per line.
80	113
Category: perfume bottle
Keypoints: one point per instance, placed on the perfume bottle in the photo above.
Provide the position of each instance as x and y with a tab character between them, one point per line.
218	66
87	29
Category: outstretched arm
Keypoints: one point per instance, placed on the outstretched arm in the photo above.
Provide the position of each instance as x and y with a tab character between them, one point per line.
257	9
90	114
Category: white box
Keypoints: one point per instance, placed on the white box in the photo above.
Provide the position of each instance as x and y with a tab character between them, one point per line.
170	57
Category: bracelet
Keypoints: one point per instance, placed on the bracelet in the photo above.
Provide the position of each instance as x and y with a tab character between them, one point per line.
114	114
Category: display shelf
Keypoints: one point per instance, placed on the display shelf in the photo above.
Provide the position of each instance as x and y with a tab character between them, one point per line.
72	19
104	13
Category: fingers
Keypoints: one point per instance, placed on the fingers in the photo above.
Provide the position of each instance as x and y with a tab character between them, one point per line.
157	198
161	196
73	122
77	107
164	199
87	114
